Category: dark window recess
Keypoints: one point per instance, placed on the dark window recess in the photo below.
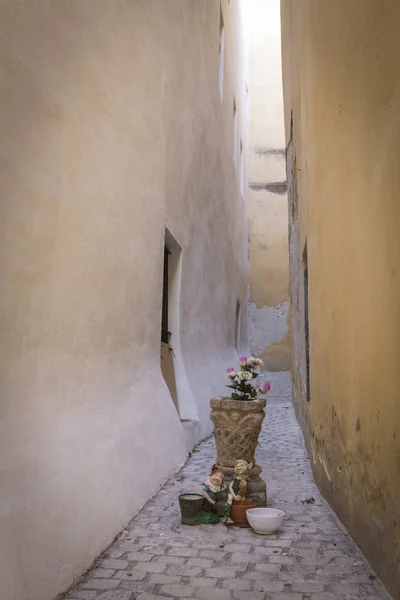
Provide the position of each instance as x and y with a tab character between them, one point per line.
165	334
306	327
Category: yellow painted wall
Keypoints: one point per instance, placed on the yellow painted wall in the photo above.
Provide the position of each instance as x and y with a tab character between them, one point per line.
342	90
268	216
112	129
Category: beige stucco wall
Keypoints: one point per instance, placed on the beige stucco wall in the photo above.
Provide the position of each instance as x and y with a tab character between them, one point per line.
341	87
111	130
268	218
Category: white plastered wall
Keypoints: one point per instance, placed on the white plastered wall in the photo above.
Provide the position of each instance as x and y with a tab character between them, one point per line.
112	130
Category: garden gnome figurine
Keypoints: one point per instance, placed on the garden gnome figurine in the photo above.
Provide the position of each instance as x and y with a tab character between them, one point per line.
212	486
237	486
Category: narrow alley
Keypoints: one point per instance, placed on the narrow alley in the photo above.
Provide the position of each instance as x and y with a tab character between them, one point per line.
194	191
311	558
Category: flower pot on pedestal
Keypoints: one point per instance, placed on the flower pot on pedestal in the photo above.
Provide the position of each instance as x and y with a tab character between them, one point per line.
237	425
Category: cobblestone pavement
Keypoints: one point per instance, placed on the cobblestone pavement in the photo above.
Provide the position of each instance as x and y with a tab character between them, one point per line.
313	558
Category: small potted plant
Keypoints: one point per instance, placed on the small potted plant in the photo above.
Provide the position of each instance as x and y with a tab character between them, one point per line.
237	422
242	381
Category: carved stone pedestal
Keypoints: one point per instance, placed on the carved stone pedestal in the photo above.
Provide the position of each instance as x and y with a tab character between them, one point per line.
237	425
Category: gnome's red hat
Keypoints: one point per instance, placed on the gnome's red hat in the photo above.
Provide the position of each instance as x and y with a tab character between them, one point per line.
216	471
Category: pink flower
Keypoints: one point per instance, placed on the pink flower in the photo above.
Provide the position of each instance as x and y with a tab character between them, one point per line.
230	370
265	387
243	360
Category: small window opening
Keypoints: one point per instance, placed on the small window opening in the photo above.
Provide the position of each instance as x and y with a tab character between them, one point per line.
221	54
165	333
306	324
170	313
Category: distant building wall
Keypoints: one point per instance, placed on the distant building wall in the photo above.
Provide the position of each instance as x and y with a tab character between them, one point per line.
116	139
342	106
268	217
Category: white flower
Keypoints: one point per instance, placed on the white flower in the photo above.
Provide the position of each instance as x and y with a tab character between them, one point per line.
232	375
245	376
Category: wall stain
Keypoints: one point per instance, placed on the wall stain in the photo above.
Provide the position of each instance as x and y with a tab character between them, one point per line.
276	187
263	151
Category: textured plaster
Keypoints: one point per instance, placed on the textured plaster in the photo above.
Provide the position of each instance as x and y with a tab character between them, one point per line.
268	329
112	130
338	61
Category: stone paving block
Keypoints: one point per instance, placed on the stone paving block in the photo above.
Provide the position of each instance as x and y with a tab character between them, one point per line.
179	543
303	552
328	596
116	595
178	590
146	596
154	550
116	553
268	568
256	576
184	570
150	567
280	559
137	587
171	560
139	557
130	575
162	579
82	594
215	594
346	588
240	595
241	548
266	550
246	558
281	543
269	585
102	573
236	584
307	587
204	563
100	584
185	552
113	563
220	573
317	561
213	554
203	582
308	544
285	596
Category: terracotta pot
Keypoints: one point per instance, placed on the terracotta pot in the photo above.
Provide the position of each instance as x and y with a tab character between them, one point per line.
237	425
238	512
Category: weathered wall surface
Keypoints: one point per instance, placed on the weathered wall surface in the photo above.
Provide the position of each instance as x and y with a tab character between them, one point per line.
342	91
268	220
112	129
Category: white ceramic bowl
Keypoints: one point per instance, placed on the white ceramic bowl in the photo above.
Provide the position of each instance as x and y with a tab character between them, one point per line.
265	520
